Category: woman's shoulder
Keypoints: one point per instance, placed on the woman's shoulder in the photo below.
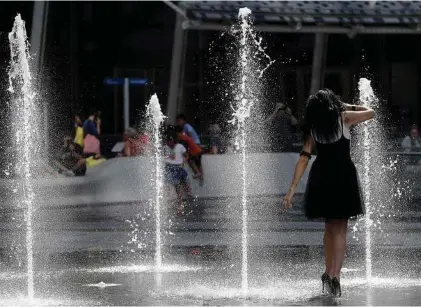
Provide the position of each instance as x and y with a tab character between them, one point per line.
345	118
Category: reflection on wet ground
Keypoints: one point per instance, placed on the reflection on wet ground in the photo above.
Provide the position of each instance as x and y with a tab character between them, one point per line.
92	256
291	279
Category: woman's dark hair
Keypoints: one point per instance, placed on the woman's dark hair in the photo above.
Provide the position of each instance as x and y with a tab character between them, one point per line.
322	116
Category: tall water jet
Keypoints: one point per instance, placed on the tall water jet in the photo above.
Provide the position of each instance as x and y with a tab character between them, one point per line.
156	119
241	113
26	132
252	62
367	98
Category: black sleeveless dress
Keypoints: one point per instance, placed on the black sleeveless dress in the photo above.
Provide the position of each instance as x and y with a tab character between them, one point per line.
333	190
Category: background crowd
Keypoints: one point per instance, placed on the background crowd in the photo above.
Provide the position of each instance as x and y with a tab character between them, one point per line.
281	129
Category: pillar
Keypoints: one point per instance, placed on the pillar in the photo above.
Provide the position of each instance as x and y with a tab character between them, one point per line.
176	70
301	94
37	50
346	85
73	54
319	62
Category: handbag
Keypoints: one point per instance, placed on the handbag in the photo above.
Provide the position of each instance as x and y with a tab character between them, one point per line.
91	145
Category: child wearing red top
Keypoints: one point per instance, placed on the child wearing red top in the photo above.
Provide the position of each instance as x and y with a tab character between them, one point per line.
194	151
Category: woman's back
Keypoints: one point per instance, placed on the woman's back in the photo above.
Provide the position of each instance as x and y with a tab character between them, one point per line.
338	148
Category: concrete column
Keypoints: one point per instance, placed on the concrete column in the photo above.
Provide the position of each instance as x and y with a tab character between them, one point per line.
346	85
319	62
116	103
73	52
176	67
181	103
356	65
301	94
418	79
38	33
384	67
37	46
126	103
282	85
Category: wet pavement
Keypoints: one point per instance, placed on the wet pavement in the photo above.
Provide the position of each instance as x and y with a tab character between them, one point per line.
206	277
104	255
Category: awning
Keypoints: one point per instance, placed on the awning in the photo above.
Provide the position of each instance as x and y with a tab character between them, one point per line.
309	16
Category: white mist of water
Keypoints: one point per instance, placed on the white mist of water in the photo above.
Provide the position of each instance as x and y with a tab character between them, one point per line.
26	128
156	120
367	98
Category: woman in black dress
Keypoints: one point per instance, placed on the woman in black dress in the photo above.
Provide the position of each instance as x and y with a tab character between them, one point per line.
332	190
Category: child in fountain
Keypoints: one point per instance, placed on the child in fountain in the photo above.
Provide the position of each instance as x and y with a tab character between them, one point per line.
333	192
174	172
194	153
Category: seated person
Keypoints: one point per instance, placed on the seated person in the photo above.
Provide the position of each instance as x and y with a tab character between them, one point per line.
78	132
71	159
412	142
135	144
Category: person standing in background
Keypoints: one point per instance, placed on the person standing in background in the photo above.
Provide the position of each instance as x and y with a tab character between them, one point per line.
90	125
412	142
91	131
281	124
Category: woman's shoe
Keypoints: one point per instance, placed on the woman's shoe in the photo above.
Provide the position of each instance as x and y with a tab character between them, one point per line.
326	283
336	286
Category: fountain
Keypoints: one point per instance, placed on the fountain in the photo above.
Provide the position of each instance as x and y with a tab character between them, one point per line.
26	138
156	119
240	115
367	98
284	286
247	87
376	173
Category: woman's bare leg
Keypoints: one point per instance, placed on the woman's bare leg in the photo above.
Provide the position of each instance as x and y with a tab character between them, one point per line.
339	246
328	248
